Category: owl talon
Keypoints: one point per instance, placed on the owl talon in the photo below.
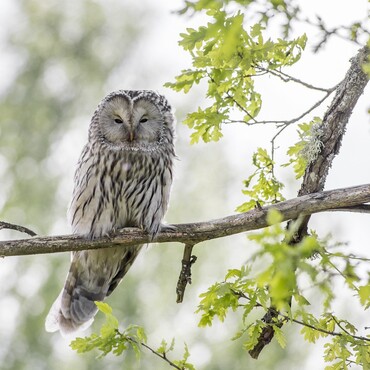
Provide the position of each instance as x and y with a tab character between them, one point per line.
167	228
110	234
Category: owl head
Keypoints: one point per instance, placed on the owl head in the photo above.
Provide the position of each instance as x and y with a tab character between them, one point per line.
132	120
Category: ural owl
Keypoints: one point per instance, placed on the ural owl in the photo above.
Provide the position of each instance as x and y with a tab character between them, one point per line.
123	179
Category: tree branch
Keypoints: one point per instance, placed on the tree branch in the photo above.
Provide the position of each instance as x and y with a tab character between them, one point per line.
334	123
161	355
22	229
283	124
303	323
286	78
363	208
185	274
193	233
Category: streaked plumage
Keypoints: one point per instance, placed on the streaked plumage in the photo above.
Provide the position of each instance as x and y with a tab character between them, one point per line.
123	179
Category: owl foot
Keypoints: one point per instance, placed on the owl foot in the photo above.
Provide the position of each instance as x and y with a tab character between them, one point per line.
167	228
111	233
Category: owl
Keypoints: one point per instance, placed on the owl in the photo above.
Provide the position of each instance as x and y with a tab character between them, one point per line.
123	179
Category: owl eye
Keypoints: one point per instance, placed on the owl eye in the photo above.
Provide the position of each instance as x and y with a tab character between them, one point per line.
118	120
143	120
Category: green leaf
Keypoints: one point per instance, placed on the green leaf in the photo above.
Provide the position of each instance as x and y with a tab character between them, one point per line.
165	348
183	363
274	217
193	38
186	80
364	294
111	323
247	206
254	332
256	30
281	286
141	335
279	335
104	307
266	188
233	273
301	300
310	335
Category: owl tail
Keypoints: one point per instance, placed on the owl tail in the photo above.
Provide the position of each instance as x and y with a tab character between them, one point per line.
75	308
93	275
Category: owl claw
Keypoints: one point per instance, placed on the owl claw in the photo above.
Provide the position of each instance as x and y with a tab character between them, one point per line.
111	233
167	228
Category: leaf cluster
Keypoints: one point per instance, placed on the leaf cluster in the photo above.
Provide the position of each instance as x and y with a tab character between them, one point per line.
262	187
344	348
226	53
289	271
266	188
113	340
265	10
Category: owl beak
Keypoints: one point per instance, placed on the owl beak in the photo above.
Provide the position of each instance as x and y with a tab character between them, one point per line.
132	136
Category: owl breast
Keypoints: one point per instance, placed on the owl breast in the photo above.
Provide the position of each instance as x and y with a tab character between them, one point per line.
116	189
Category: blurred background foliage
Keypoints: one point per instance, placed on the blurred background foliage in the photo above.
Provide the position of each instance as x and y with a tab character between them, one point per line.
64	57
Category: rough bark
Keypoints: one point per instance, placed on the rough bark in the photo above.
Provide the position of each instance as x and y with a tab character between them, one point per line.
193	233
335	122
334	126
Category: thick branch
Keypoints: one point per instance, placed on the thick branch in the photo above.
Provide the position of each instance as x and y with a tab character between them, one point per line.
334	123
194	233
333	128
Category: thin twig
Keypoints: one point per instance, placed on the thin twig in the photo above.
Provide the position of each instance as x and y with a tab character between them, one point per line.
286	78
241	107
282	125
333	31
22	229
309	110
348	281
349	256
238	121
160	355
288	318
340	326
333	333
234	100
